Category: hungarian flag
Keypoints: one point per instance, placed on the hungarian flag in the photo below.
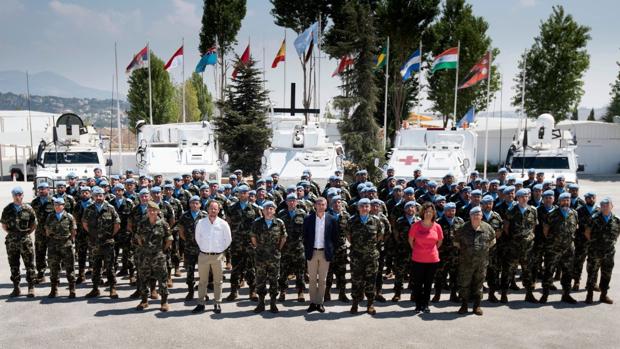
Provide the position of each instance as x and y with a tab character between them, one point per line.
345	61
140	60
175	60
478	72
281	56
245	58
448	59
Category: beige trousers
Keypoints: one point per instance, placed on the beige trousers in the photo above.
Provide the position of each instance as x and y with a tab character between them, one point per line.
317	271
206	265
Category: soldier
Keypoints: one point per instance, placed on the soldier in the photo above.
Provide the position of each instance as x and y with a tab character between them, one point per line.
375	210
72	187
81	240
138	214
61	192
122	240
268	236
178	208
575	200
152	240
559	228
240	217
474	240
101	222
448	253
19	220
43	206
402	250
187	230
167	211
180	193
585	213
364	231
60	229
602	235
495	221
338	265
521	219
389	176
292	261
540	240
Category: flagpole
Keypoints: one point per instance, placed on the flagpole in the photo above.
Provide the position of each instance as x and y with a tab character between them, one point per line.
264	68
319	84
118	116
419	84
523	111
148	57
284	97
486	131
183	74
385	98
456	81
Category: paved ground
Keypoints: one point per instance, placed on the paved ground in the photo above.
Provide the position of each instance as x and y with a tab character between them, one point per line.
64	323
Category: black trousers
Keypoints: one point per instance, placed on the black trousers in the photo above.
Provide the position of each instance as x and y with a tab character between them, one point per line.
423	276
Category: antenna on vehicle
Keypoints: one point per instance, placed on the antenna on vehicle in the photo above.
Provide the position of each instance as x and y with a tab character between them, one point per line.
55	139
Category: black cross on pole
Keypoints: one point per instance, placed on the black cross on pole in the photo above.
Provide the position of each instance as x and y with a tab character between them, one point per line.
294	110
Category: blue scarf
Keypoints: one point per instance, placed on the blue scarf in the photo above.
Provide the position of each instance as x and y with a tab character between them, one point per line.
291	213
409	219
439	214
607	218
243	204
269	222
564	211
522	209
98	206
487	215
194	214
119	202
143	208
364	219
336	215
573	200
450	220
18	208
590	208
177	192
85	203
59	215
43	200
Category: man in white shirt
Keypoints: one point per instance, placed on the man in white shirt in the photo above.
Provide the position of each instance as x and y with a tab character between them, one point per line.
213	237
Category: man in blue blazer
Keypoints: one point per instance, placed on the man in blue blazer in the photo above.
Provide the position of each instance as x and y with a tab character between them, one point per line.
320	237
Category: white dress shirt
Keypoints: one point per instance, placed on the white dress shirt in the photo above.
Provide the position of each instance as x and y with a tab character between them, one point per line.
213	237
319	232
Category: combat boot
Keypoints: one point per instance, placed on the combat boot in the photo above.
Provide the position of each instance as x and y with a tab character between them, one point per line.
53	291
164	303
72	290
81	277
30	290
342	296
40	278
261	305
379	298
272	306
477	309
300	295
328	295
354	305
93	293
190	292
597	288
545	295
412	298
233	295
152	285
16	291
253	296
396	297
529	297
513	285
169	282
282	296
113	293
144	303
504	297
453	297
370	309
576	285
492	297
177	272
605	299
589	297
567	298
463	308
135	295
437	295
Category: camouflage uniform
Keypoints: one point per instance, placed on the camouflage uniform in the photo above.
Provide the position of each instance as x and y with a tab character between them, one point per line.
602	249
387	231
448	255
81	239
559	249
69	202
188	222
520	241
540	248
402	259
122	239
18	242
338	265
494	265
268	254
60	246
474	246
149	242
364	255
177	208
101	239
293	259
242	254
581	243
43	207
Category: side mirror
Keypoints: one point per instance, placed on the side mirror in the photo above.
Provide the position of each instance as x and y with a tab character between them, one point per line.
108	162
581	168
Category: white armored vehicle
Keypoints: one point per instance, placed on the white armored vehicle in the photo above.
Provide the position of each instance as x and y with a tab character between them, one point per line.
435	151
177	148
546	148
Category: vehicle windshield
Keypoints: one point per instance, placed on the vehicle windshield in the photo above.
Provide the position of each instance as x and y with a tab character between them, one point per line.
560	162
83	157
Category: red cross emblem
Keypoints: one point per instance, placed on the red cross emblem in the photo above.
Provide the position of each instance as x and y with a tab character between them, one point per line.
409	160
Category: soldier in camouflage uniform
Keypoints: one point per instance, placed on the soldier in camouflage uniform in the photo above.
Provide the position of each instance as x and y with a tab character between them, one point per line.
152	240
338	265
375	210
602	236
240	217
81	240
559	228
60	229
292	261
474	239
19	220
268	236
585	213
139	214
540	241
402	249
521	219
497	223
61	192
101	222
364	231
448	253
177	207
187	230
167	211
122	240
43	206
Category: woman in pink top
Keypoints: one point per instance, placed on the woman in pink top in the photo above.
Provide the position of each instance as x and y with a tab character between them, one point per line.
425	237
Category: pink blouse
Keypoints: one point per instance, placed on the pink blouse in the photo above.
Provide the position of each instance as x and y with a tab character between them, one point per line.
425	243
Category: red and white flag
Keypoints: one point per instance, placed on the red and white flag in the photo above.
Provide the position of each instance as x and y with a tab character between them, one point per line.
140	60
478	72
245	58
345	61
175	60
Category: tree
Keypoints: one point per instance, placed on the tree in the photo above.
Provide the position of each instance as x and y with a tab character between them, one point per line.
591	115
353	33
554	67
192	113
221	21
205	100
458	23
614	105
164	108
575	115
242	130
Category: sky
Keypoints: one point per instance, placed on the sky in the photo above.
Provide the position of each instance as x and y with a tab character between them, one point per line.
76	39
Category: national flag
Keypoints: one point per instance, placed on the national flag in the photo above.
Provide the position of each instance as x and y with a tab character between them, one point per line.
175	60
209	58
245	58
140	60
468	118
304	39
381	58
411	65
309	53
478	72
345	61
448	59
281	56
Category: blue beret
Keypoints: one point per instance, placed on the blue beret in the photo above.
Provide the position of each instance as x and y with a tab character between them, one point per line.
194	198
275	174
168	186
119	186
43	185
204	187
439	198
232	176
156	190
376	202
291	187
522	192
502	170
450	205
129	170
104	184
84	188
261	180
409	204
304	183
484	181
269	180
590	194
332	178
97	168
363	201
475	210
363	172
144	191
307	171
494	181
177	178
432	184
299	187
512	178
98	190
501	188
475	173
269	204
547	193
606	201
117	177
227	186
449	174
336	197
61	184
363	190
71	175
17	190
409	191
195	171
252	192
519	181
509	189
360	186
213	182
261	189
476	192
560	177
305	176
371	189
537	187
130	181
487	199
368	184
531	170
466	189
291	197
564	196
540	172
573	186
397	187
59	201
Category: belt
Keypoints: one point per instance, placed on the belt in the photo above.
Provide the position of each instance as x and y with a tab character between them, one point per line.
319	249
211	253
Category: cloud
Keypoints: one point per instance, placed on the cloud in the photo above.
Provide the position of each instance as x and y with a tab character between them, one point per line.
109	21
184	14
11	8
527	3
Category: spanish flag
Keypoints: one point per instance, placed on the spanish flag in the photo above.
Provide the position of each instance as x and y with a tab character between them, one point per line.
281	54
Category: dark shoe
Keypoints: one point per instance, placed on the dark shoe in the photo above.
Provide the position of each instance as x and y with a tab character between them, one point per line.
312	308
328	296
216	308
200	308
589	297
492	297
177	273
412	298
71	290
93	293
253	296
463	308
370	309
40	278
135	294
144	303
504	297
418	309
379	298
282	296
89	273
605	299
260	307
30	291
396	297
16	291
342	297
190	293
53	291
320	308
113	293
354	307
453	297
300	296
513	286
553	287
566	297
232	296
80	277
273	308
426	309
576	286
436	297
543	298
477	309
597	288
529	297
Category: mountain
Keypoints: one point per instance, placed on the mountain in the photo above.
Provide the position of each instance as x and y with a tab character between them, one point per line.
47	84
